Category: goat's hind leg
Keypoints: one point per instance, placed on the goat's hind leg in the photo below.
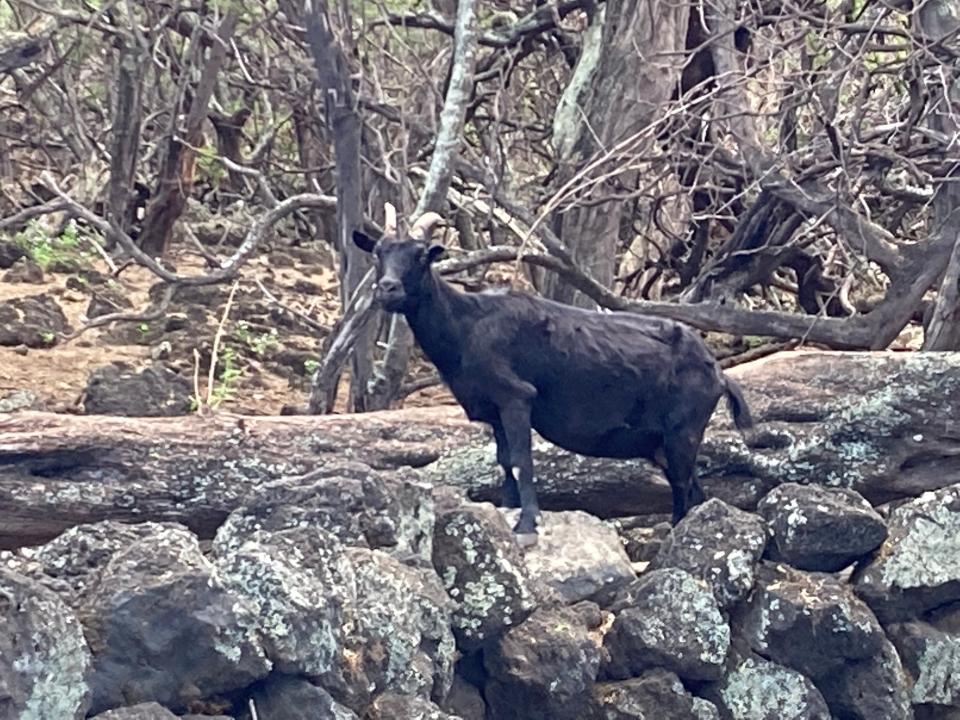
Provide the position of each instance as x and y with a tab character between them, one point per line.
509	492
515	418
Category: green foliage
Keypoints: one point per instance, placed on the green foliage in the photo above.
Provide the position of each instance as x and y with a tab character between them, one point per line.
143	328
259	343
311	366
228	376
46	251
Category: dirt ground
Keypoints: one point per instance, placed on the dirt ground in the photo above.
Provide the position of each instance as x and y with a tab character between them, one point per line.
271	352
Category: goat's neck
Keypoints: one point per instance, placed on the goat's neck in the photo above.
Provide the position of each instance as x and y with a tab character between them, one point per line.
438	323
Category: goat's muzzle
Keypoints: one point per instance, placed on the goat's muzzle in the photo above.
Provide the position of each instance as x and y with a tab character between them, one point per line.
390	294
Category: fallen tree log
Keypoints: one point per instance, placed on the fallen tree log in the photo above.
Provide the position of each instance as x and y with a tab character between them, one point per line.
881	423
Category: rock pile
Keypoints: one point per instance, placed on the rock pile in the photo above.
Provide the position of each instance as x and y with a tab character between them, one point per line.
334	599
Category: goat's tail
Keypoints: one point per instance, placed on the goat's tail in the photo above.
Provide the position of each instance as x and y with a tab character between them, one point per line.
738	405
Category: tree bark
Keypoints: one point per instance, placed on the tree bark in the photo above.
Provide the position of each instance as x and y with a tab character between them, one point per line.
125	133
882	423
634	76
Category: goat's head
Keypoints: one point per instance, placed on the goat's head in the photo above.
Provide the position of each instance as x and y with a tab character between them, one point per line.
403	261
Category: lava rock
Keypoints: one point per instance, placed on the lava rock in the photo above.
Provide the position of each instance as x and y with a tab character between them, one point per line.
464	700
918	566
656	693
931	657
666	618
34	321
821	529
24	271
578	555
394	707
44	659
809	622
641	540
143	711
118	389
10	253
295	698
718	544
876	688
543	669
757	689
483	571
163	627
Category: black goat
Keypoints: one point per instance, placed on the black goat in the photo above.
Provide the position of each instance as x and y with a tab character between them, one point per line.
614	385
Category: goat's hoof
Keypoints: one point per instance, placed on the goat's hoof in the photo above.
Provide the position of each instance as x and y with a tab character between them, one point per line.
526	540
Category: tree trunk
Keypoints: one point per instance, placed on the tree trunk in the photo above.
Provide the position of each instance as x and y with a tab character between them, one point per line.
176	173
343	122
635	74
882	423
125	134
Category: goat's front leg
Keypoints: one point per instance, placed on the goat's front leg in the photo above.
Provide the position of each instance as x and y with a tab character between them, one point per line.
515	418
509	493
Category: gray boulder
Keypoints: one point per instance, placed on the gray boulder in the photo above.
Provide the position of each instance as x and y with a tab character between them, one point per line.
718	544
819	528
668	619
918	566
543	669
876	688
483	571
578	555
44	659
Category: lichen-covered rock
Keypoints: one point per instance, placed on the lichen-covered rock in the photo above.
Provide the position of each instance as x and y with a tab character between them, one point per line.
391	706
577	555
483	571
718	544
543	669
818	528
359	506
402	626
918	566
163	627
931	657
757	689
71	563
876	688
667	618
705	710
33	321
44	659
302	590
118	389
143	711
295	698
809	622
656	693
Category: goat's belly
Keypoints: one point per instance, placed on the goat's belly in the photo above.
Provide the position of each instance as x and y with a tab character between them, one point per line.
620	442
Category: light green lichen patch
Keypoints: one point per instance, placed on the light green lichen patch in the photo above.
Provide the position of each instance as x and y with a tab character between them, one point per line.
938	672
760	690
926	551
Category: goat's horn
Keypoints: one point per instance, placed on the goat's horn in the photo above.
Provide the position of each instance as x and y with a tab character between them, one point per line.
389	219
424	225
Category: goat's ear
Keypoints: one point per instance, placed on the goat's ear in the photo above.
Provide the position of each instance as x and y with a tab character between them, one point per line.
363	241
434	252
